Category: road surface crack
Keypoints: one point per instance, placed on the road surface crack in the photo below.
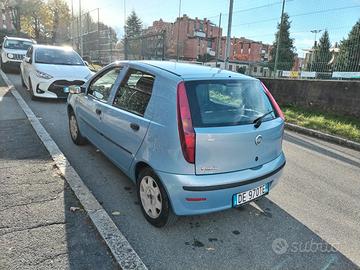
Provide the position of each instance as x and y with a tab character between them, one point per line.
34	227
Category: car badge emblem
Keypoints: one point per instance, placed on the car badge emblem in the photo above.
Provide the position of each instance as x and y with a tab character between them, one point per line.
258	139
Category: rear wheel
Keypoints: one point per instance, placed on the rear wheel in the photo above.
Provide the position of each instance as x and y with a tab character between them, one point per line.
75	134
154	200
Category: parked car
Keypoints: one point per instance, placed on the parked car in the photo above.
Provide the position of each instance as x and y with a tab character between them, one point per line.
13	50
194	139
47	71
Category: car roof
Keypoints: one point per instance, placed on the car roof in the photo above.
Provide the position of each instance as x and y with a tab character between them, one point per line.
192	71
17	38
39	46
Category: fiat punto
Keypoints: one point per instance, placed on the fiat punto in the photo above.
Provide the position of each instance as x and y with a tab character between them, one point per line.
194	139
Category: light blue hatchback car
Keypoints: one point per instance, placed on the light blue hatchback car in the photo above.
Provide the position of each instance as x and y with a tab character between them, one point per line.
194	139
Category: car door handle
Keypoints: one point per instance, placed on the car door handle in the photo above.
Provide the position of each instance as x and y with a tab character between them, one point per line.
134	126
98	111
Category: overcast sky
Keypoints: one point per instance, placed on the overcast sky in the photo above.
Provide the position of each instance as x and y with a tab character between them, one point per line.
254	19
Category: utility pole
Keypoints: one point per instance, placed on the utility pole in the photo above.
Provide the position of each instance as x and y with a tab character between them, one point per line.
218	43
80	31
178	34
72	24
315	41
125	37
228	37
279	40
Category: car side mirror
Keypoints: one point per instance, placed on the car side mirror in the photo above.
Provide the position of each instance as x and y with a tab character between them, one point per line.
27	59
75	89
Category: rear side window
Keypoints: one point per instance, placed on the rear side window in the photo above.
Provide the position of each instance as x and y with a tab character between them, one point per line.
135	92
227	102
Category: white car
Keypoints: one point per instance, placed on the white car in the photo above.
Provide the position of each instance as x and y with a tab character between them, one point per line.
48	71
13	51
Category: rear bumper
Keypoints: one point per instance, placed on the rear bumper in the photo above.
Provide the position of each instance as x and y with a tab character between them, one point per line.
218	189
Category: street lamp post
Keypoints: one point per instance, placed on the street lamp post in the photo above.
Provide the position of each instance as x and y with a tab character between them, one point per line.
315	32
178	34
227	51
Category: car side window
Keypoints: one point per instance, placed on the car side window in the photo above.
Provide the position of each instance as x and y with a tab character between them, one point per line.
134	92
100	88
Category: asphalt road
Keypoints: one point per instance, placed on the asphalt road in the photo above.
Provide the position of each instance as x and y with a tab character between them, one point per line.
311	220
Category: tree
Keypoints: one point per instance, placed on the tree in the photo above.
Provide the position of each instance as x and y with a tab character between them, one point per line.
36	20
349	54
14	7
133	44
133	26
322	54
286	48
60	20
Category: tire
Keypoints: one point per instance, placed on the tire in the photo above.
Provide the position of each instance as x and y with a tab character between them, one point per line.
4	68
74	130
154	201
33	97
22	80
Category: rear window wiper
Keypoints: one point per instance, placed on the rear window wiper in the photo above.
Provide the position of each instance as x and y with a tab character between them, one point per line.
258	120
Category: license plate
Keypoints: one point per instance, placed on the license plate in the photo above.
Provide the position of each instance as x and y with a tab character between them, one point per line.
250	195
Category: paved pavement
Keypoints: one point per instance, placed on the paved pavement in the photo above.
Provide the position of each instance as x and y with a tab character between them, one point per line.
314	208
37	228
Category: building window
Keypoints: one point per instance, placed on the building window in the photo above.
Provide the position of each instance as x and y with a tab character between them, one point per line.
255	69
261	70
230	67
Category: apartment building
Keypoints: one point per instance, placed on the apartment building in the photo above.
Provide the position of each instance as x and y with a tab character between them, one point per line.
191	37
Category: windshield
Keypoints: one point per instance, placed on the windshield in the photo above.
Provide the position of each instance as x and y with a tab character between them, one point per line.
58	57
17	44
227	102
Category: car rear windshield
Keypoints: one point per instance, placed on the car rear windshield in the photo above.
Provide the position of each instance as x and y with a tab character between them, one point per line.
227	102
17	44
57	57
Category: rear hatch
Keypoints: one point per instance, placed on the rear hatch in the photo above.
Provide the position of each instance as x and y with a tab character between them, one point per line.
223	114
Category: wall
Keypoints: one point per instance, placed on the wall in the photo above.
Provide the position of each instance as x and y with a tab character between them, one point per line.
341	97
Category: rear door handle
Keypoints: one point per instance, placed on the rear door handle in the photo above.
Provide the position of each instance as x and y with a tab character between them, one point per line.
134	126
98	111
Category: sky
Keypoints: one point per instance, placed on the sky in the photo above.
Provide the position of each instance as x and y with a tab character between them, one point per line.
253	19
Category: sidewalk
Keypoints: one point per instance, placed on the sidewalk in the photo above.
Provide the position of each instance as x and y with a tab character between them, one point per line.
37	228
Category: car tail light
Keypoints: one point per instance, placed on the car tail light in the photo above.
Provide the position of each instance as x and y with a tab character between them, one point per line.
186	130
273	102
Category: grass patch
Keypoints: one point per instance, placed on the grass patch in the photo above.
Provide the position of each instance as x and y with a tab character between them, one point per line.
343	126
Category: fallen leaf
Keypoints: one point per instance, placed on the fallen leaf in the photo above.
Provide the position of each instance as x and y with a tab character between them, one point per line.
115	213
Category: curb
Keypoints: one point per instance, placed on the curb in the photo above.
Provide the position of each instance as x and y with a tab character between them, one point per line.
323	136
123	253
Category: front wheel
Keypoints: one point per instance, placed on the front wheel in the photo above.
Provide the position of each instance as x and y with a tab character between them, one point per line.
22	80
75	134
4	67
154	200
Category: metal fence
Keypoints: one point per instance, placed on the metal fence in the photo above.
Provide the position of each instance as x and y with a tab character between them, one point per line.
254	24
